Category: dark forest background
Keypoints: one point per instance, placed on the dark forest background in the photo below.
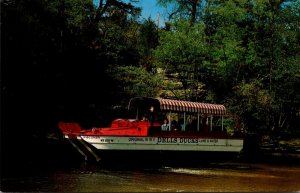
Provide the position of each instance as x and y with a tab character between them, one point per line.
71	60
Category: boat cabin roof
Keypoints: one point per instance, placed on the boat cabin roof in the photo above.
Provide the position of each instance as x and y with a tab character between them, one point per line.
177	105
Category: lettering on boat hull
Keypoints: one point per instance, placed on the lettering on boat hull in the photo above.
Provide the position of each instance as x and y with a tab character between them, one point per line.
164	143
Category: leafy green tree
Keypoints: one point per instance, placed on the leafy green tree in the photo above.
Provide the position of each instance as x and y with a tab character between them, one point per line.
137	81
249	60
148	38
65	47
181	54
139	77
271	43
224	35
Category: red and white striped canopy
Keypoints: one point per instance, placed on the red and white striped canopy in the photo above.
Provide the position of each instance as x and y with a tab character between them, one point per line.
187	106
178	105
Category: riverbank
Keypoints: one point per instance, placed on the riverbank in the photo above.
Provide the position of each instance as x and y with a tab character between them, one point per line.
272	151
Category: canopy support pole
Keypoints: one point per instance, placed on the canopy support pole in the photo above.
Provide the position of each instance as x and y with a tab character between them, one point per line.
211	118
183	121
170	121
198	115
137	113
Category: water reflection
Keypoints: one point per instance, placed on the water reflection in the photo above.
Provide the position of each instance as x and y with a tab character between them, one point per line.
213	178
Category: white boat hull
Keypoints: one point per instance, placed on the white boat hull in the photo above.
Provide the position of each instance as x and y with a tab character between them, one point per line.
163	143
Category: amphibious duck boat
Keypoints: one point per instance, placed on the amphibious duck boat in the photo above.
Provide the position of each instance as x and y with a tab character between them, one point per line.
160	125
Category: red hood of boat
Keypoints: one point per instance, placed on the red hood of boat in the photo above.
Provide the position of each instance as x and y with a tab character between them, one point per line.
119	127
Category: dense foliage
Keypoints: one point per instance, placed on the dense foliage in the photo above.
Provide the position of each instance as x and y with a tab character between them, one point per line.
241	53
72	60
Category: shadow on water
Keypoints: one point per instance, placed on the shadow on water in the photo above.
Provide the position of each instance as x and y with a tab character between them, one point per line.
47	155
103	177
58	168
156	159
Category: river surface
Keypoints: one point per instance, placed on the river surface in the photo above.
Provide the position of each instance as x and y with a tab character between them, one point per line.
218	177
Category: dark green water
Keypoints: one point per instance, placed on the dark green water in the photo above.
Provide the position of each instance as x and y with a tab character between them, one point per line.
219	177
